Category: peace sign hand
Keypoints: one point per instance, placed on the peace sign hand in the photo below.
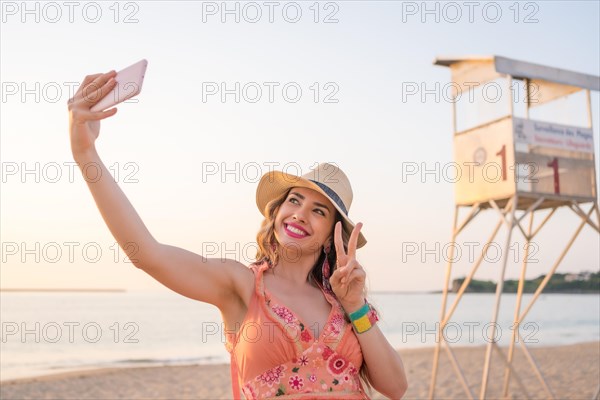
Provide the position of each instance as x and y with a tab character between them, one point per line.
348	280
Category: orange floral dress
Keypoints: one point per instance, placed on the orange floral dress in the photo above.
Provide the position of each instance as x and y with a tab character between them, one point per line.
275	355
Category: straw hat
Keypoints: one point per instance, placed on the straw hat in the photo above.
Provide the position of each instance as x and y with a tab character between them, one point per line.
327	179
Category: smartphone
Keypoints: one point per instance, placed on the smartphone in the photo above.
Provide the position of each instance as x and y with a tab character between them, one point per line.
129	84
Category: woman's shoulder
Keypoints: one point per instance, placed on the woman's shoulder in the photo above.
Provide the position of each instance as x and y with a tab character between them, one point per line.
245	278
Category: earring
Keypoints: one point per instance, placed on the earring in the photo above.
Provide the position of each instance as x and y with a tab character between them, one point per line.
273	247
326	269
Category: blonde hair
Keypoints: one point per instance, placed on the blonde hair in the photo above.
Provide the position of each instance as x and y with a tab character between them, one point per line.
267	252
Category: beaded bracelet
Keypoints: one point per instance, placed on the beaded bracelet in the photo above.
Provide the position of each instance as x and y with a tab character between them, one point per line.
364	318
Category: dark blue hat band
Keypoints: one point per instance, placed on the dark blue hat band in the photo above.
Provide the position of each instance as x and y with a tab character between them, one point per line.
333	195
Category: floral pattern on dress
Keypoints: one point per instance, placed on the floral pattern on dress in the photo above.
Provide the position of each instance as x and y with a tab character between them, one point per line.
332	372
271	376
305	335
337	365
327	352
293	326
337	323
250	390
317	363
296	382
317	367
284	313
303	360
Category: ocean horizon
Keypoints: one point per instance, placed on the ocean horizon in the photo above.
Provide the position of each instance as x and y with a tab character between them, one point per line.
51	332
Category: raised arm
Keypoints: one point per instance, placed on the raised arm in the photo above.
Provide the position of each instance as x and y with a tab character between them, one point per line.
215	281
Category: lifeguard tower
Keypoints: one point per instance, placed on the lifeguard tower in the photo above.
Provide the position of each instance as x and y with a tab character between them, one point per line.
523	142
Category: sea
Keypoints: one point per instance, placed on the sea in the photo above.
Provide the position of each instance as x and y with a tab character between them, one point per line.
51	332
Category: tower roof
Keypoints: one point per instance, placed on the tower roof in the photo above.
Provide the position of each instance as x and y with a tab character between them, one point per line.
526	70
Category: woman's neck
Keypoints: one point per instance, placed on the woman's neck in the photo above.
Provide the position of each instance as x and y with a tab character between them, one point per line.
296	273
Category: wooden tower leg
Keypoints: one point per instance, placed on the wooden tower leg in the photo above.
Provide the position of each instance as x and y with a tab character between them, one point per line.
499	287
516	325
436	354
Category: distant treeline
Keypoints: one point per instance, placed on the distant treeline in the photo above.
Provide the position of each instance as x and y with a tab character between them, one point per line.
586	282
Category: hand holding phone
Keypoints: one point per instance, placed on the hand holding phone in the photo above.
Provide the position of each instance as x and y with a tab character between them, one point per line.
129	84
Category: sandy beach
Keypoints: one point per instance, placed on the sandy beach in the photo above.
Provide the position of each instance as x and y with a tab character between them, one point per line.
572	372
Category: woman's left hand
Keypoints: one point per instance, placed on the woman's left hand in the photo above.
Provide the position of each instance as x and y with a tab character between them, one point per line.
348	279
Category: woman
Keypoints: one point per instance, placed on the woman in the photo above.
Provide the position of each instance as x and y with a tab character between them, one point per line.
297	324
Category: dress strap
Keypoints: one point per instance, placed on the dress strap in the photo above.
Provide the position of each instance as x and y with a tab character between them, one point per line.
235	379
258	269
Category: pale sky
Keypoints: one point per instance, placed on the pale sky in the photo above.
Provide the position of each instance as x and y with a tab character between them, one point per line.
161	148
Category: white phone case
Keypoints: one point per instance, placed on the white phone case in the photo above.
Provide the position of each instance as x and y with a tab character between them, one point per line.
129	84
